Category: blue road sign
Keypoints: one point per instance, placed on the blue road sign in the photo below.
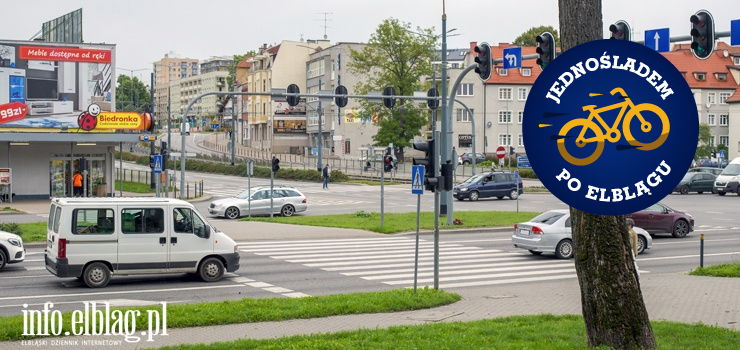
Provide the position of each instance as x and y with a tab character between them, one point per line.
658	39
721	154
735	32
157	163
417	179
523	162
516	174
513	57
214	126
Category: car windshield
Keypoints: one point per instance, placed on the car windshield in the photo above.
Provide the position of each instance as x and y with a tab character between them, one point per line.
243	195
731	170
547	218
473	179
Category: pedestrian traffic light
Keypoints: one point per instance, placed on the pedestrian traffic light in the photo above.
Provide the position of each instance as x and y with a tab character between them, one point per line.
151	161
545	49
621	31
484	61
293	100
430	178
275	164
163	148
446	175
702	34
341	101
387	163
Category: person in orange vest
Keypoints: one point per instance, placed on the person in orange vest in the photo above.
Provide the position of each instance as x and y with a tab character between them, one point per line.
77	183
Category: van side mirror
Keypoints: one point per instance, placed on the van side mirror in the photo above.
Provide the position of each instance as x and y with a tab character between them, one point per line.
207	232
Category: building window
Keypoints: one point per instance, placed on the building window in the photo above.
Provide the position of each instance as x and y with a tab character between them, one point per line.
504	94
312	90
723	96
464	141
504	117
521	116
503	72
313	118
504	139
737	60
710	119
526	72
455	65
465	89
724	140
315	69
711	98
724	119
522	94
521	140
711	140
462	115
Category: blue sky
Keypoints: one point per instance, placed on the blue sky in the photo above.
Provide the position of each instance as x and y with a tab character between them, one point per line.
200	29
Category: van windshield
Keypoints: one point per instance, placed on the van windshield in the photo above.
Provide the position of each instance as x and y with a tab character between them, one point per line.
731	170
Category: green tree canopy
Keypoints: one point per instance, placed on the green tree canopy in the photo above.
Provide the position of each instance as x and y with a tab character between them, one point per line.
132	95
394	56
529	38
232	69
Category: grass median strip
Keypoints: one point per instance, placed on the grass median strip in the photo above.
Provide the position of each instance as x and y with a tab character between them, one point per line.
403	222
29	231
515	332
723	270
263	310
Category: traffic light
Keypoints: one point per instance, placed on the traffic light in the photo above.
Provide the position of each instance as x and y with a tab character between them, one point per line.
446	172
341	101
163	148
621	31
433	92
151	161
702	34
545	49
484	61
430	178
275	164
293	100
714	153
388	101
511	150
387	163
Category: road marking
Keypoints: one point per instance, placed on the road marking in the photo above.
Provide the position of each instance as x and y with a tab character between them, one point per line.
385	252
278	290
296	295
695	241
540	267
259	284
496	275
506	281
47	296
687	256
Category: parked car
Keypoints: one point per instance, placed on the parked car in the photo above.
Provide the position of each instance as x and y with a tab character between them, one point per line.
696	182
11	249
550	232
497	184
660	218
286	202
729	179
467	158
704	169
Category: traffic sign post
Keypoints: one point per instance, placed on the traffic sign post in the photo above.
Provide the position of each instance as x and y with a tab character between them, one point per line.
513	58
523	162
500	152
658	39
417	179
157	163
417	188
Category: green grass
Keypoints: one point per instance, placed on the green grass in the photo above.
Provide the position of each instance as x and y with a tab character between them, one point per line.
272	309
515	332
10	209
723	270
29	231
402	222
136	187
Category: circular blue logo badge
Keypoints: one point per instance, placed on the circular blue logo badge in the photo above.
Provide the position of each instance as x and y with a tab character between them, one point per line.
610	127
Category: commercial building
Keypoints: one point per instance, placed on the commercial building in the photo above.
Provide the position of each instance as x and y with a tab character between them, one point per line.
168	69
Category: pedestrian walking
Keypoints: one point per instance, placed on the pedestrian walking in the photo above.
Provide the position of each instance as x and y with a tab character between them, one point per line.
633	244
325	173
77	184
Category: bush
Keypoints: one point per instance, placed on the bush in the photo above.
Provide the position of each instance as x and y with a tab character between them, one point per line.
10	227
527	174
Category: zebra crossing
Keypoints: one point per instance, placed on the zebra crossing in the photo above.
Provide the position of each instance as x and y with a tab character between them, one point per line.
390	260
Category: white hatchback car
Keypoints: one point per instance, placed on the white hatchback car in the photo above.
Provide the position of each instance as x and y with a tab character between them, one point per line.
286	201
11	249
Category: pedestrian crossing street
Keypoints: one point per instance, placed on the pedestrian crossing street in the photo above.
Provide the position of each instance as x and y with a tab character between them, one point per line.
390	260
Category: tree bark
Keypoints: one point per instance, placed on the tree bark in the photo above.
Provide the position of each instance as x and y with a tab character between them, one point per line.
612	304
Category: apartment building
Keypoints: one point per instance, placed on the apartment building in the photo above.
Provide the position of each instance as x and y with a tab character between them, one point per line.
216	63
168	69
204	111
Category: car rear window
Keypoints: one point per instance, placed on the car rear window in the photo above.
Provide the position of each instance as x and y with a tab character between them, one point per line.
547	218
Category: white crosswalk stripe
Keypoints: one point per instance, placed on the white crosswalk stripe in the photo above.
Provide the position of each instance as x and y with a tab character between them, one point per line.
335	202
390	260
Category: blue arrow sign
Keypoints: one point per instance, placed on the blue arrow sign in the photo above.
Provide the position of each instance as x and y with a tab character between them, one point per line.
735	32
513	57
658	39
721	154
214	126
157	163
417	179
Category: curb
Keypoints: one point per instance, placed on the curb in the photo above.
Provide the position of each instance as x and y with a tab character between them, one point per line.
457	230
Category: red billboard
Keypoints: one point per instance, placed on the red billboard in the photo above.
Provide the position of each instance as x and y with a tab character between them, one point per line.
53	53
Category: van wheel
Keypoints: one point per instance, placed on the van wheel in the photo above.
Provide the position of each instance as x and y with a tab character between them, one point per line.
721	193
514	194
211	270
287	210
474	196
232	212
3	259
564	250
96	275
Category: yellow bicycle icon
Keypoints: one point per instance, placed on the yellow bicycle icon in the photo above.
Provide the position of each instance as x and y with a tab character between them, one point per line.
612	133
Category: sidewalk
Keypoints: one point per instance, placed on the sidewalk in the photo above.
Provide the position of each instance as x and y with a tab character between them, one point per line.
711	301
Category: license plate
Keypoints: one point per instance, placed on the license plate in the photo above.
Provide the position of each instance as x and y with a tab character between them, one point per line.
524	232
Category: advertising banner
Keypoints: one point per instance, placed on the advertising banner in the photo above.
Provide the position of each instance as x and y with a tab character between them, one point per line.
289	125
360	116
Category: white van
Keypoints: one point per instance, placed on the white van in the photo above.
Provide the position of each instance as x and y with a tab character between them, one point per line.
94	238
729	179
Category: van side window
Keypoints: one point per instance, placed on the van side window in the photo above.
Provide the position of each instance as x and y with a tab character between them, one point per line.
150	220
185	221
92	221
57	219
50	225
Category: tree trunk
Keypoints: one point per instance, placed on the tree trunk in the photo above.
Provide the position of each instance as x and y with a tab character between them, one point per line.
613	308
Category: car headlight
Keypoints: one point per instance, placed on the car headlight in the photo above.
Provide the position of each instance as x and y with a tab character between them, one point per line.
16	242
464	189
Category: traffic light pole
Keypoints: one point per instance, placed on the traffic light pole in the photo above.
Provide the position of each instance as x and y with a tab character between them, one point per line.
443	141
233	124
436	217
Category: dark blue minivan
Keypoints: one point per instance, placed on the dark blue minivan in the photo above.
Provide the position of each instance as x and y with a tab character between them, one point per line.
497	184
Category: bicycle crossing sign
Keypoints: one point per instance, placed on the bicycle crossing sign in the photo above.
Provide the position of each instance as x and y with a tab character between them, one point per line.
417	179
157	163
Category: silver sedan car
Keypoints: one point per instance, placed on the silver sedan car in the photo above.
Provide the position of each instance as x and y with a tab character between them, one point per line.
550	232
286	201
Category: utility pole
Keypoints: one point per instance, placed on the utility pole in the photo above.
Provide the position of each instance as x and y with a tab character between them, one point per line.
318	165
233	122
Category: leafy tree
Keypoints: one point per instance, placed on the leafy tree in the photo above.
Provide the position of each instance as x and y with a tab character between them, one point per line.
612	304
132	95
529	38
232	69
394	56
704	150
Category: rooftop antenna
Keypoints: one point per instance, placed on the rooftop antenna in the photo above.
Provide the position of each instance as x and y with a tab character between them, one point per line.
326	19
